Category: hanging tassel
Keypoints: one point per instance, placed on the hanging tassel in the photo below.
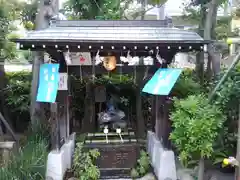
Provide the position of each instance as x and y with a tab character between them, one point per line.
93	66
160	60
98	59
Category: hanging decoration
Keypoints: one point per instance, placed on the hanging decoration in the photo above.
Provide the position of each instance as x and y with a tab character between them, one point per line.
110	63
48	83
159	59
63	82
132	61
78	58
98	59
47	58
148	61
162	81
67	58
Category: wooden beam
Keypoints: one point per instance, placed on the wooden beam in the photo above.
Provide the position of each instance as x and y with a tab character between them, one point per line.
7	145
87	70
4	121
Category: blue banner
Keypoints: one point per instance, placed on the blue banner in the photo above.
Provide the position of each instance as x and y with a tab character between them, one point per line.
48	83
162	81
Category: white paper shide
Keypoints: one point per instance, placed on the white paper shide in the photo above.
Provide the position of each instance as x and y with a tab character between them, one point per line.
63	79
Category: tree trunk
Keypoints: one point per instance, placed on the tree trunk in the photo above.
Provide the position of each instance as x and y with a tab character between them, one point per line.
200	55
215	57
36	112
143	4
208	32
201	169
36	109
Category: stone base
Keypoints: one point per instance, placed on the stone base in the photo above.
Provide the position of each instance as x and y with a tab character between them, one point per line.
162	161
59	161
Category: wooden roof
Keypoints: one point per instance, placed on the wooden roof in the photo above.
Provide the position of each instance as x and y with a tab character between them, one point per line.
97	34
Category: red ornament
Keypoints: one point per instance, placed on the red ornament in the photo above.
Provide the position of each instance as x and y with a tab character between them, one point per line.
82	59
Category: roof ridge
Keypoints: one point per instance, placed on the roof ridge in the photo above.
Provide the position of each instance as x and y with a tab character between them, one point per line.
111	23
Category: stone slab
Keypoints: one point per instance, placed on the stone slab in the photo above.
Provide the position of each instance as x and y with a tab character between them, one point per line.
162	161
59	161
167	167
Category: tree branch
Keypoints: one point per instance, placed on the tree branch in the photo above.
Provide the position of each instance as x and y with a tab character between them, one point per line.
137	14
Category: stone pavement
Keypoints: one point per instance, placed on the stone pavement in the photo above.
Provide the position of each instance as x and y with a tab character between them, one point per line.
149	176
217	175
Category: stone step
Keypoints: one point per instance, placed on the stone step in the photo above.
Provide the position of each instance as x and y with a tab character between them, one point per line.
104	141
112	137
115	173
116	160
110	134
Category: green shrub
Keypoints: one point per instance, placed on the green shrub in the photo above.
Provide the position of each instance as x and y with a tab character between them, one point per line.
84	167
18	92
196	125
30	161
142	167
186	85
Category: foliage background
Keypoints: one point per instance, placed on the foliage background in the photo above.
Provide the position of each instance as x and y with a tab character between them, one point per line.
17	94
227	98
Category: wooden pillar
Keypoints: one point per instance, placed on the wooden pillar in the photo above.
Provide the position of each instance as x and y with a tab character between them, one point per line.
159	117
162	114
55	130
166	123
139	115
153	112
68	115
88	124
62	100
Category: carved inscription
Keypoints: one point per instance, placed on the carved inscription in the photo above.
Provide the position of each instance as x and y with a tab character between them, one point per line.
118	157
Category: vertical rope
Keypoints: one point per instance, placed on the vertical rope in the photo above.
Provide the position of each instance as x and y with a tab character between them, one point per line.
135	71
81	78
121	66
93	69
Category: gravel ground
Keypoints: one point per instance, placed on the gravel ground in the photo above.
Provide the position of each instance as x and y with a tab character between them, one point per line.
217	175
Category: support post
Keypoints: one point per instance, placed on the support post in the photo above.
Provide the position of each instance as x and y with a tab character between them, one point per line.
139	115
159	117
68	117
4	121
153	112
88	124
162	119
55	130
